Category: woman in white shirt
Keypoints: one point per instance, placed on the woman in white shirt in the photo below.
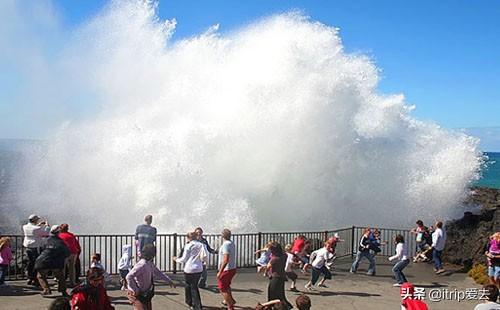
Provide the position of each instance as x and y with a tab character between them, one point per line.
193	256
402	260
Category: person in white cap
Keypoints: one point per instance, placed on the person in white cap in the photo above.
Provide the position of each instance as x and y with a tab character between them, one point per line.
35	233
51	261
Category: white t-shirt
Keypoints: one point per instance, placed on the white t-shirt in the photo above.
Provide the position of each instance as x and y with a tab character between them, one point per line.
320	257
228	248
488	306
439	239
289	262
34	235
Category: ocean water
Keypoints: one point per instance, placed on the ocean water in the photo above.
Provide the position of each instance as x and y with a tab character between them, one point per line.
490	174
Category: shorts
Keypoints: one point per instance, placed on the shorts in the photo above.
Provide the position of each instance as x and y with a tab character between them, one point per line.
224	282
291	275
123	273
494	272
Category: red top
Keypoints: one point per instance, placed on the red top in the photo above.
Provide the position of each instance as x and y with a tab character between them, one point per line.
298	245
82	300
71	242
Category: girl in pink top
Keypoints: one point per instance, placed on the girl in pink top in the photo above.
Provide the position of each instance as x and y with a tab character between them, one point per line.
5	258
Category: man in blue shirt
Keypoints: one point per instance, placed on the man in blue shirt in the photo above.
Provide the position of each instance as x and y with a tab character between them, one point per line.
145	234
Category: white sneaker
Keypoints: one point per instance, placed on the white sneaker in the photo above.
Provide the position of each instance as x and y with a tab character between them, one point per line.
396	285
309	287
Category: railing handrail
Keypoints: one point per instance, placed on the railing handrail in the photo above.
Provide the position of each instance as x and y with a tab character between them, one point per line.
169	244
211	234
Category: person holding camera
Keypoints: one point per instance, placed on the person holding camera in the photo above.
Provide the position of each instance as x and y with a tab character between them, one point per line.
35	233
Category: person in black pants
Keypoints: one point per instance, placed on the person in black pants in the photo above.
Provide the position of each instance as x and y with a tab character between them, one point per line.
277	278
35	233
203	278
192	257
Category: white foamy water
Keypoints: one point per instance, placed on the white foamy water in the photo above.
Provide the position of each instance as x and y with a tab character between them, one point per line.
269	127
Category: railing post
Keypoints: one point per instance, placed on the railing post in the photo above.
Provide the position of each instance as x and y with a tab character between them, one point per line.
326	236
259	241
175	254
352	241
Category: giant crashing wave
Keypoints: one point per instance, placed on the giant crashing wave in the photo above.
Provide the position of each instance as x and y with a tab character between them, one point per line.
272	126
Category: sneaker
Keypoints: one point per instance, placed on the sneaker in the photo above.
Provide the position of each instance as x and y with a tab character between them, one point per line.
440	271
309	287
294	289
352	271
123	288
396	285
322	285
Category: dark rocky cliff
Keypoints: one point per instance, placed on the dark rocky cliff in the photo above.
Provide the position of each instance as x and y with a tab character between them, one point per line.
468	236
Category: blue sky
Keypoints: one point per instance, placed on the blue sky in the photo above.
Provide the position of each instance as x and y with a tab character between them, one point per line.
444	56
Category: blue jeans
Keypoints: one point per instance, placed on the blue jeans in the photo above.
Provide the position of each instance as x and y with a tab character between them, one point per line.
359	257
436	257
3	272
398	270
203	278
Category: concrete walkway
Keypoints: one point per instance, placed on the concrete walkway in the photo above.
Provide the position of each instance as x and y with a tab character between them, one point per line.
345	291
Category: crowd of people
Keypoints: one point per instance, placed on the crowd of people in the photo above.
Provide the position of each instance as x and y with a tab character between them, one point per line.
53	251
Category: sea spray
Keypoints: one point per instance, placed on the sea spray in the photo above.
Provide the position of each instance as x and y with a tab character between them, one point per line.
269	127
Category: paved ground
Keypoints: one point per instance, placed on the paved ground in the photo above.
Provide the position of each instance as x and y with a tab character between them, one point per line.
346	291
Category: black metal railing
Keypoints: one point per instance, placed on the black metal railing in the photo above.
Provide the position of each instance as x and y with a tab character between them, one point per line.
169	245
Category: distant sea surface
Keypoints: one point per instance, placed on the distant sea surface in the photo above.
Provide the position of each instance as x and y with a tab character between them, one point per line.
491	173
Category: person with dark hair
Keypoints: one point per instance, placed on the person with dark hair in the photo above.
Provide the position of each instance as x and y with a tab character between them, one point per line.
402	260
51	260
438	242
364	252
303	302
140	279
277	276
60	303
491	302
91	295
35	233
422	236
227	269
74	249
145	234
193	257
204	274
